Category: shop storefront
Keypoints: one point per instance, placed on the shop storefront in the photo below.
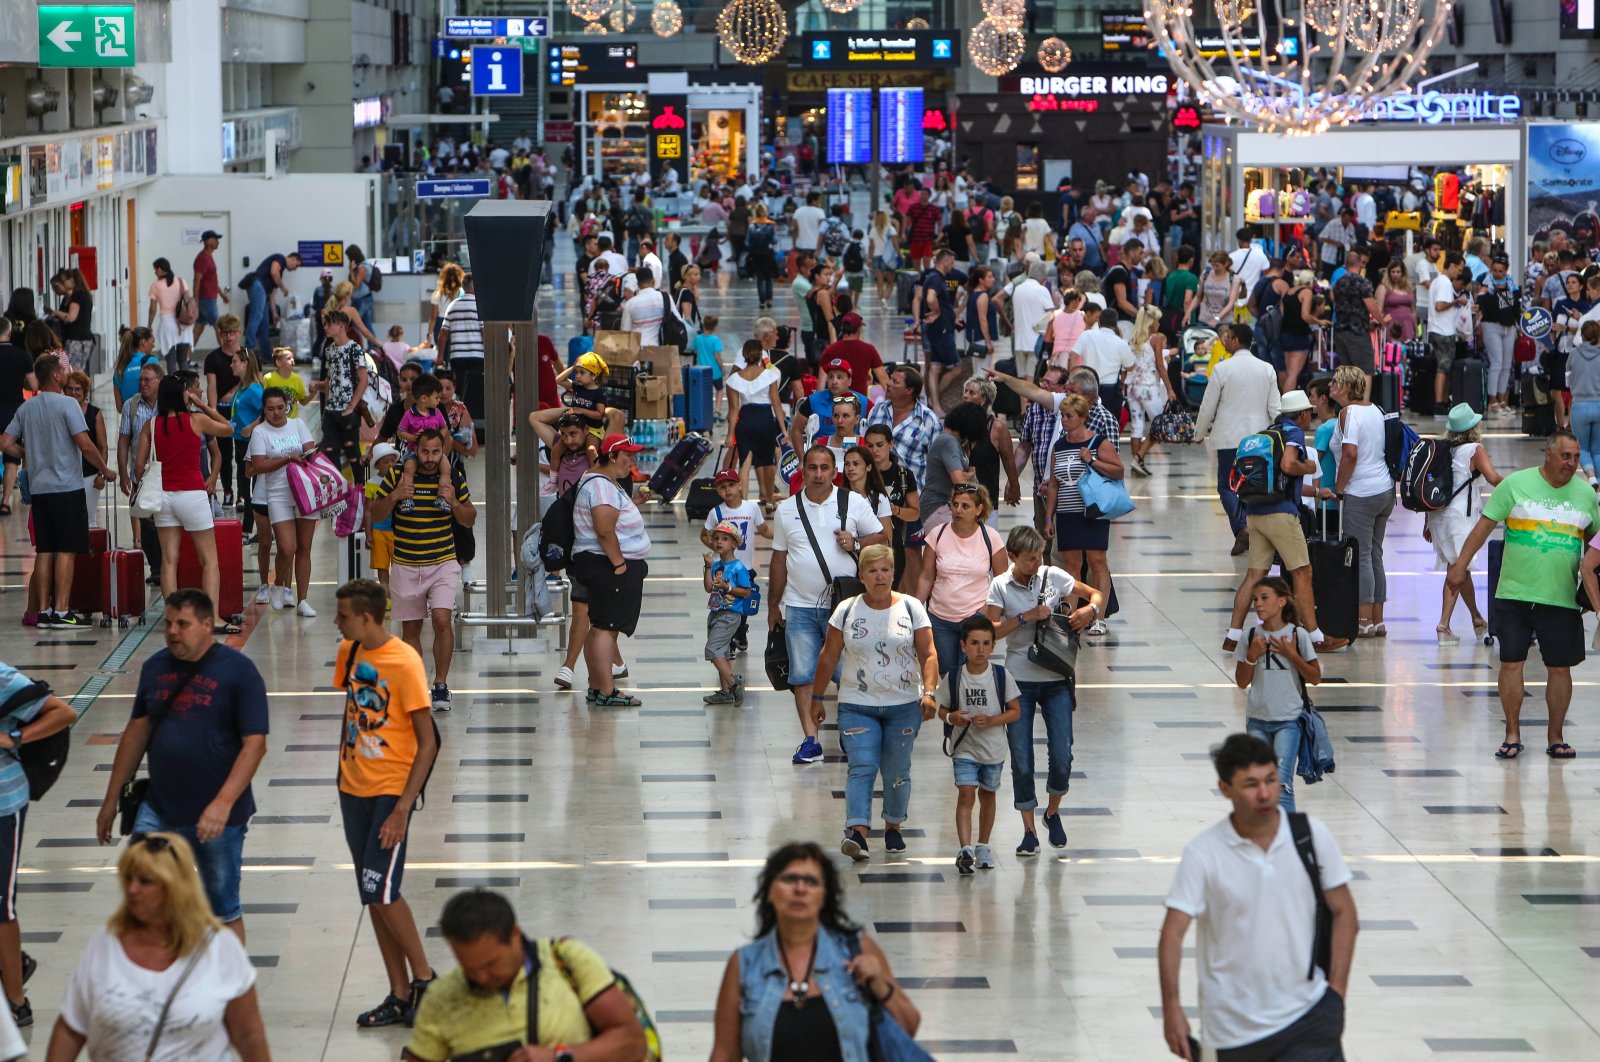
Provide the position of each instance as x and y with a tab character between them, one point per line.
1096	122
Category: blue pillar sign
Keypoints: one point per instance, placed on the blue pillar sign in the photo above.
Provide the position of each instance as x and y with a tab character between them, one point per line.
900	125
496	70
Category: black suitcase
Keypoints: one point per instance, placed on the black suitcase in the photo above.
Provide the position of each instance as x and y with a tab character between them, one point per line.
1007	403
1497	549
1466	383
702	496
1386	390
1335	581
905	291
1538	415
679	467
1420	372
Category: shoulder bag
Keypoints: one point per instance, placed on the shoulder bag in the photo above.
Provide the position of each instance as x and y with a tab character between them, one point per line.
1322	940
149	497
504	1052
842	587
1055	643
133	792
166	1008
886	1040
1104	498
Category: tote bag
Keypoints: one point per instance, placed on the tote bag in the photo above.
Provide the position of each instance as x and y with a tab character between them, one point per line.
150	498
318	486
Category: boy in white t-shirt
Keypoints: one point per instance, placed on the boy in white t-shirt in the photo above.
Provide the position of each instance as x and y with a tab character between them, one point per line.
977	700
746	516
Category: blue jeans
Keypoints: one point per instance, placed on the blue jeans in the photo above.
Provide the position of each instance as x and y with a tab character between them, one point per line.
219	862
1284	738
258	320
947	643
363	307
1586	426
804	631
1053	701
877	739
1230	500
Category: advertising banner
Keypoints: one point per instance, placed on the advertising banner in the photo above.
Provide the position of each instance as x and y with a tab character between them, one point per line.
1564	180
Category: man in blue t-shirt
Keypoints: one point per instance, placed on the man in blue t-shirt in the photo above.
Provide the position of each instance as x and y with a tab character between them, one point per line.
936	310
28	712
201	713
837	375
1276	533
266	280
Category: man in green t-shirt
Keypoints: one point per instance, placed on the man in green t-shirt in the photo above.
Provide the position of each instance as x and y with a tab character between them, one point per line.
1549	516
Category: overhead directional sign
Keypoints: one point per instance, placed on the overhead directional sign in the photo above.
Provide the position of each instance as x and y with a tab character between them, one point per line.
86	35
496	70
464	188
494	28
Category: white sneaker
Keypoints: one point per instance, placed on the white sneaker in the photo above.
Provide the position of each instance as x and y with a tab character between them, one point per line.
306	610
619	671
264	595
285	598
564	678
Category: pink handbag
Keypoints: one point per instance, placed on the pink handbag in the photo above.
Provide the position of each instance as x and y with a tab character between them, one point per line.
318	486
350	519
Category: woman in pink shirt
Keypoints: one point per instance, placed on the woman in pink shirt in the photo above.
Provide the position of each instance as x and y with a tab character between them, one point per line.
958	560
1066	327
166	292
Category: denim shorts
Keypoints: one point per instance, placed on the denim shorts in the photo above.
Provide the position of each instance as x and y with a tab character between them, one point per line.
219	862
804	630
985	776
207	311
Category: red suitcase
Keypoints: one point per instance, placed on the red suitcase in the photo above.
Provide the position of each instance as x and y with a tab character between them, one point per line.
122	589
86	575
230	564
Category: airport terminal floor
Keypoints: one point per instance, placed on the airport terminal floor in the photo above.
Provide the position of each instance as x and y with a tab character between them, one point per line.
641	831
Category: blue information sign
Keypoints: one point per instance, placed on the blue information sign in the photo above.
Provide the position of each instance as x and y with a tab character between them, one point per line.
849	126
465	188
496	70
900	125
492	28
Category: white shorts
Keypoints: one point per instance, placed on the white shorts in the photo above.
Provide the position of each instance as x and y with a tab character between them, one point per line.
188	509
280	503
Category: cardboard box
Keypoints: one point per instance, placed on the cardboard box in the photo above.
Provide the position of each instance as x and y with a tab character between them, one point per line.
651	389
657	408
617	348
667	364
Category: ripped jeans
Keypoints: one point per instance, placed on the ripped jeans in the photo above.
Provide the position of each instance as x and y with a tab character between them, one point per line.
877	738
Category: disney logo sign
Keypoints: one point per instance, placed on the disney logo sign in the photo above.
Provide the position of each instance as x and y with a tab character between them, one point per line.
1568	152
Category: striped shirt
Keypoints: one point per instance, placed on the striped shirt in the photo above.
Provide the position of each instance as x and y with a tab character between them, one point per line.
30	697
424	535
466	331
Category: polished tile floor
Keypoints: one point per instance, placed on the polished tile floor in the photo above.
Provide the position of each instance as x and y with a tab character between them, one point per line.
641	831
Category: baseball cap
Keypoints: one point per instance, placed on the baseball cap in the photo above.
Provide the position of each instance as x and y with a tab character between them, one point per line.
382	450
727	475
327	274
210	234
851	322
728	527
837	365
614	444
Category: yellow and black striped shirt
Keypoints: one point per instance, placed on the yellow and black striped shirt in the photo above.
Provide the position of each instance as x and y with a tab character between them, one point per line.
424	535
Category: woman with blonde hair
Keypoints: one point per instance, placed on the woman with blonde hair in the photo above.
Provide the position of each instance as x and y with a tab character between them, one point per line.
162	981
1149	387
1398	303
1365	489
883	253
342	299
761	247
451	277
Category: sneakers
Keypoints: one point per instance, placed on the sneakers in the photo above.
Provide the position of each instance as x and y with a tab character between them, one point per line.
965	859
893	842
406	505
738	689
62	621
441	695
30	619
282	598
809	751
264	595
1241	544
1029	846
22	1014
564	678
720	696
305	610
985	857
1332	645
1058	832
619	671
855	845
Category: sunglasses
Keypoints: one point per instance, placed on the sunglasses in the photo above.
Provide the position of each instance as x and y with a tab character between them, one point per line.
837	402
152	841
966	488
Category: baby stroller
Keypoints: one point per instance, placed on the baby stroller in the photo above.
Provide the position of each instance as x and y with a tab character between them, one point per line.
1187	368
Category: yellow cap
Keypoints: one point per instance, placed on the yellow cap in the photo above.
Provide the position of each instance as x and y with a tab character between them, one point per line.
594	363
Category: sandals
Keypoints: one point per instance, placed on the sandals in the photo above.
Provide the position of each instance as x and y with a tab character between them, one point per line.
614	699
227	628
1561	751
392	1011
1480	628
1373	630
1509	750
5	509
1447	636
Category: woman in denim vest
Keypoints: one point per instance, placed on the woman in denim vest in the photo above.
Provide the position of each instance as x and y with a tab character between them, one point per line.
800	991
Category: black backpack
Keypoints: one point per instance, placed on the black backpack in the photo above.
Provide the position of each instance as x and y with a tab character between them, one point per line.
558	529
638	221
674	333
374	276
438	738
1428	480
854	260
761	238
42	761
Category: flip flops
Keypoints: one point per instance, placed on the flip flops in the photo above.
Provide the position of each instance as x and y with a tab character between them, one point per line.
1508	750
1561	751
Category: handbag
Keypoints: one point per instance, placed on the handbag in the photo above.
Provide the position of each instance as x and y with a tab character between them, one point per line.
187	310
318	486
166	1008
1175	424
777	657
149	498
1055	643
1103	498
843	587
131	796
886	1040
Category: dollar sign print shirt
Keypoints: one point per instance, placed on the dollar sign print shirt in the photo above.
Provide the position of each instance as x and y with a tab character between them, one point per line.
879	662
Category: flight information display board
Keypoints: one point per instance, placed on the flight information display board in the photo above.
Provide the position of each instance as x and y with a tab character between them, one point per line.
850	126
900	125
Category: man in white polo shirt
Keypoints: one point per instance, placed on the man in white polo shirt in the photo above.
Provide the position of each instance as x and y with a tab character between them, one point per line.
1271	985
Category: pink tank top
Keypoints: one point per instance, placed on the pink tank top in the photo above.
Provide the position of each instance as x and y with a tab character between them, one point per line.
962	584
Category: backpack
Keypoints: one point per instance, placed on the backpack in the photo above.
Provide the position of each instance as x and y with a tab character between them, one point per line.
1270	325
1399	439
997	672
1258	476
980	221
854	260
761	239
42	761
558	528
834	238
674	333
637	221
1427	483
374	276
652	1037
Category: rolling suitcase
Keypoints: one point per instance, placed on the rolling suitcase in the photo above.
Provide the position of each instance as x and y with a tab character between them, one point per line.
697	395
1386	390
1335	581
1466	383
905	291
230	566
1538	415
679	466
86	597
1420	371
1497	549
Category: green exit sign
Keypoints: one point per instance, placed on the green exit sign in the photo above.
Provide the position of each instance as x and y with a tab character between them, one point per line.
85	35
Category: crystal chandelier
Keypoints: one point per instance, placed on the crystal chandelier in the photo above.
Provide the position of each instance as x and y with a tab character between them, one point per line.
753	31
1332	59
622	15
594	29
589	10
996	47
1010	12
841	7
1054	55
666	18
1234	12
916	23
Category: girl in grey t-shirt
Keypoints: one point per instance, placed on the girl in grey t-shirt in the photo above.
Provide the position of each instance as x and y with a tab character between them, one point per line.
1274	664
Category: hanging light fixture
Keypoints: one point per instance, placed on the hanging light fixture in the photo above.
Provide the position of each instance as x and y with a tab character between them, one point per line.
666	18
1054	55
589	10
1007	12
916	24
596	29
753	31
1234	12
996	47
841	7
622	15
1313	74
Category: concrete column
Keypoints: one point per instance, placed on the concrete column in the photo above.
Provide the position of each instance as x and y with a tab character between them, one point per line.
193	83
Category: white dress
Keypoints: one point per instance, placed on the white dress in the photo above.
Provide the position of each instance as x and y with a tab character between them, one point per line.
1450	526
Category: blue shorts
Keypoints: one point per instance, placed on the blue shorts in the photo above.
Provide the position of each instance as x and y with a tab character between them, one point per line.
804	631
941	348
378	869
208	310
219	862
10	861
970	773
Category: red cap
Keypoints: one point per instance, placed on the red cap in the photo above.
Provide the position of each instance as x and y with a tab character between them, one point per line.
619	444
851	322
838	365
727	475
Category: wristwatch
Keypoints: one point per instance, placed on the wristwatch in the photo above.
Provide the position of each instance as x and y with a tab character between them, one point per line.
16	738
563	1053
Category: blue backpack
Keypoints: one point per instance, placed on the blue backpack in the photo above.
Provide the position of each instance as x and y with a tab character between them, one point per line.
1398	441
1258	476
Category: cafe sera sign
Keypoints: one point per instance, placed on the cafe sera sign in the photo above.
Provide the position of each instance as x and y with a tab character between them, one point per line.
822	80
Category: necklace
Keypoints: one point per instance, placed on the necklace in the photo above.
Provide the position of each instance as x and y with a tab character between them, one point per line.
799	990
